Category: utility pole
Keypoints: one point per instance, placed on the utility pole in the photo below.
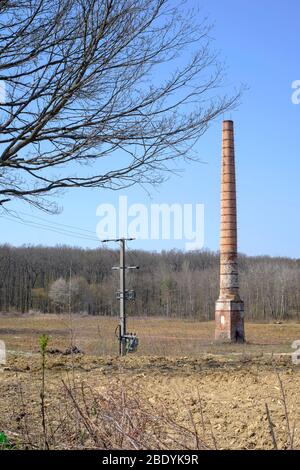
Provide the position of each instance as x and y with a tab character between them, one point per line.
123	295
122	341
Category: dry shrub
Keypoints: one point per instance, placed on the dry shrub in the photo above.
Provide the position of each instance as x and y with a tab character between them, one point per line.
117	418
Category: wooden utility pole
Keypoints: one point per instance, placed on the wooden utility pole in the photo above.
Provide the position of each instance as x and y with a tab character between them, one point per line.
123	295
122	341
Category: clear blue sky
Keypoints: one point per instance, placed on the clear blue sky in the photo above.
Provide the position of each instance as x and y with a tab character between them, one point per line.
259	40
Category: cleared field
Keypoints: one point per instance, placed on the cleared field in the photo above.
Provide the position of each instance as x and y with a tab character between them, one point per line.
158	336
219	391
223	399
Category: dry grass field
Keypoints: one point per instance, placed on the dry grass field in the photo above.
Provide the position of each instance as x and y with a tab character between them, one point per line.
192	392
158	336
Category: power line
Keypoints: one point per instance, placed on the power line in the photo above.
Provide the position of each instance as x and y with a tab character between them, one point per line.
51	228
57	223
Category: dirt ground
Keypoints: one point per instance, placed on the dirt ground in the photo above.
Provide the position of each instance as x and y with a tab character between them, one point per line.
158	336
224	388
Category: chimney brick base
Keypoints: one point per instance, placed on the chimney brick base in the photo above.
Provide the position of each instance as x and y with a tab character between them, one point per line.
230	321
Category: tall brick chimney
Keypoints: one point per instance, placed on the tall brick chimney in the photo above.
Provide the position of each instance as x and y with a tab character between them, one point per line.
229	307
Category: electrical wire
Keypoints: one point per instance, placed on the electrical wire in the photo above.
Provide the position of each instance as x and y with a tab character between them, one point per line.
51	228
57	223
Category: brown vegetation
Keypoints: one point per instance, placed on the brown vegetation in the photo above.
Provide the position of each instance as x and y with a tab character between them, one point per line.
170	284
158	336
179	391
154	402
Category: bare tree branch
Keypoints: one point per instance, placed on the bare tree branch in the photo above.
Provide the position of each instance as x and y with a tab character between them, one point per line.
88	80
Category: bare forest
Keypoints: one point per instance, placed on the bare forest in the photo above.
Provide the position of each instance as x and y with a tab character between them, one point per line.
171	284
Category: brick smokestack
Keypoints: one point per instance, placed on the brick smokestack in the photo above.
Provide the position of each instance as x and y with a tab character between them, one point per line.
229	306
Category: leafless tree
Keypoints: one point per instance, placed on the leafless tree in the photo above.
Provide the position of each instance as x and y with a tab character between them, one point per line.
59	292
127	85
173	283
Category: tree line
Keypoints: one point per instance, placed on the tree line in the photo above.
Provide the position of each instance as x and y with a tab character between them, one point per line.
170	283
